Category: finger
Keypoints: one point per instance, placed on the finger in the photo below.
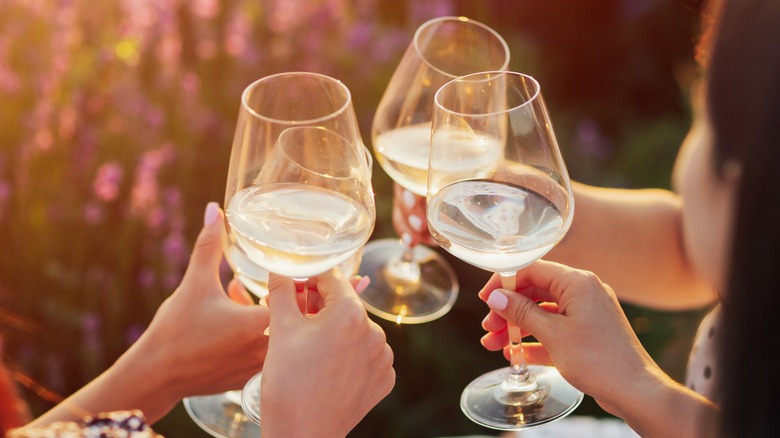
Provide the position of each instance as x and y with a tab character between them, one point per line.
549	307
534	353
360	283
518	309
495	341
546	281
283	301
332	286
207	253
493	322
237	292
492	284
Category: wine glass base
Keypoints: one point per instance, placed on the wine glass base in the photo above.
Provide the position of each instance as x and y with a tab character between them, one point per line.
221	415
485	403
250	398
413	299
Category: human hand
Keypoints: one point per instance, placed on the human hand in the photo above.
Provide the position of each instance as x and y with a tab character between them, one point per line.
323	372
205	341
580	323
409	217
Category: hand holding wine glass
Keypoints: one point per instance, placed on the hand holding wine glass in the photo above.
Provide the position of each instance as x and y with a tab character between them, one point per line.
499	198
299	197
339	354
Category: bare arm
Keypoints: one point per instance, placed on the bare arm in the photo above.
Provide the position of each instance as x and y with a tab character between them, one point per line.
592	344
199	342
632	240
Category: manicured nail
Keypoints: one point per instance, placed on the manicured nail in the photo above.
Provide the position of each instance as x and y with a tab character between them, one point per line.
408	198
362	284
415	222
212	211
406	238
497	300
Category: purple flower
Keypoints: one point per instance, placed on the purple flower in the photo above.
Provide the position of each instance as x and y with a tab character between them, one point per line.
171	280
590	139
91	324
146	278
360	35
107	180
133	333
205	8
93	214
175	249
145	196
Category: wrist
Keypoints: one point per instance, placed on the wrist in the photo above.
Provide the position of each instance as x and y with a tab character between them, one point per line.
658	406
149	378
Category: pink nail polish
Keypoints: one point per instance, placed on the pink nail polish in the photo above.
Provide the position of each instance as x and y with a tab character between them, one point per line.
497	300
362	284
212	211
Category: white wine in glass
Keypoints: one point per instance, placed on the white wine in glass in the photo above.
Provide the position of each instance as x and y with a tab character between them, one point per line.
221	415
501	212
414	284
299	199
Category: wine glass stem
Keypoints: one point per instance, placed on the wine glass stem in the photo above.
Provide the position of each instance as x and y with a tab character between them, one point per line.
306	297
519	378
408	255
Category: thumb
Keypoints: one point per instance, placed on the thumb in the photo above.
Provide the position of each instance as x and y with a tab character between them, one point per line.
283	301
520	310
207	253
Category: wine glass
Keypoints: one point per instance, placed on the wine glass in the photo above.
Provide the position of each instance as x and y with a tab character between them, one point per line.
499	198
221	415
298	196
414	284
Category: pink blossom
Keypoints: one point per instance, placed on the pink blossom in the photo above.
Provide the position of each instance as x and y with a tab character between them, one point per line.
93	214
107	181
146	278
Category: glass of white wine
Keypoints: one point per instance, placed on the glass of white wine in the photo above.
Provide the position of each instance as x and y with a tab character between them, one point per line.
299	199
499	198
414	284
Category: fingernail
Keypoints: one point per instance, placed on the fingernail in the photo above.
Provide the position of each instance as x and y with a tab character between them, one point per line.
212	211
406	238
415	222
497	300
408	198
362	284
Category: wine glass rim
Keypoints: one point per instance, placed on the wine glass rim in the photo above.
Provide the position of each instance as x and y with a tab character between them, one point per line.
488	75
347	98
462	19
361	152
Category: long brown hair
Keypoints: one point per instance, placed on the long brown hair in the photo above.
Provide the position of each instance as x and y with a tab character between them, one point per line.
744	105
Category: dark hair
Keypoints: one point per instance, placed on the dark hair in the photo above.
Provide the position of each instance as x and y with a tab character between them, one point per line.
744	105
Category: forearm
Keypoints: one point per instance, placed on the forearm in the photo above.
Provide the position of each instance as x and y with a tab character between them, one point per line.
136	381
632	240
664	408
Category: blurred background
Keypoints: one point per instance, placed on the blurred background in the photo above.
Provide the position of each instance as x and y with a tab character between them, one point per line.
116	120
